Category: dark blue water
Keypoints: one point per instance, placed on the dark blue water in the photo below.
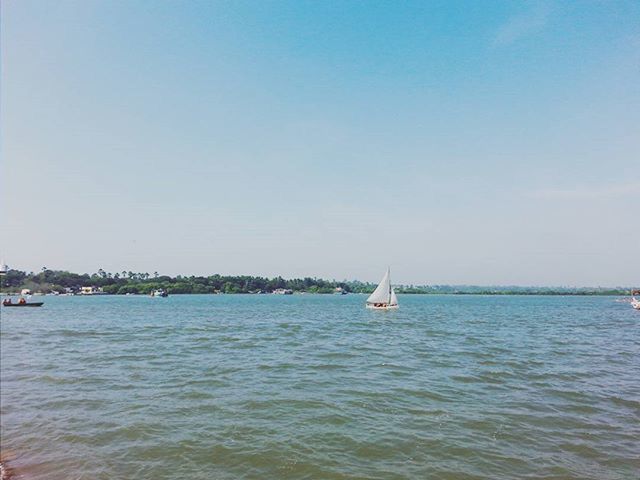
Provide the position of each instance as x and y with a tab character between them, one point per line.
318	387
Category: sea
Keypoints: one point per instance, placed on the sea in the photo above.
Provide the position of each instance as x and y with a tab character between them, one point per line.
318	387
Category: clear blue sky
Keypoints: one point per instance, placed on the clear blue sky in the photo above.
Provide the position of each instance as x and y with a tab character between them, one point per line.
459	142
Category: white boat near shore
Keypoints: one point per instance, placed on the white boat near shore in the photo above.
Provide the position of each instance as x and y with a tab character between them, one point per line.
283	291
635	303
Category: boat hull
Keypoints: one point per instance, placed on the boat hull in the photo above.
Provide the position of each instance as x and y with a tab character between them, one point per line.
385	307
32	304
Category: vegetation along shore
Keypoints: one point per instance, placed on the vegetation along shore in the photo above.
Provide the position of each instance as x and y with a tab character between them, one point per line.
127	282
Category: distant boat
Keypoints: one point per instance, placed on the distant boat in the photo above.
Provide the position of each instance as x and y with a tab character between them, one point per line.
9	303
383	297
159	293
635	303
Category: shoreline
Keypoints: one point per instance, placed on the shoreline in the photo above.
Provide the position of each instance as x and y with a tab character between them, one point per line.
106	283
400	292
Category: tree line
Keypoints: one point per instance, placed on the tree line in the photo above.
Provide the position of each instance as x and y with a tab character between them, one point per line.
125	282
47	281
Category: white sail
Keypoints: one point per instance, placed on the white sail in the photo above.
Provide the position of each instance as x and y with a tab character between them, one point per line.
382	293
394	299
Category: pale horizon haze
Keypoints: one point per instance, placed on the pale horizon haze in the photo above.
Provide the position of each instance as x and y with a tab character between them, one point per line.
486	143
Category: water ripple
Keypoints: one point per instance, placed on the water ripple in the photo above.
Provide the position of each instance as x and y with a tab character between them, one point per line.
317	387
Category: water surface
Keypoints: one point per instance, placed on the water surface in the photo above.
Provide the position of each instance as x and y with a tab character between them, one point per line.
317	387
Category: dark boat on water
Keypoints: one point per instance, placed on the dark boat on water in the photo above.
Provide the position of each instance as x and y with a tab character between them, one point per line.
26	304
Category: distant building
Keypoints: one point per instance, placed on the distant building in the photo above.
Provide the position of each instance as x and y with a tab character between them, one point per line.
282	291
91	291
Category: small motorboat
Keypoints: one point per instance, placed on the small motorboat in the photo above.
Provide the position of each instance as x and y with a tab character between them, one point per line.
9	303
160	293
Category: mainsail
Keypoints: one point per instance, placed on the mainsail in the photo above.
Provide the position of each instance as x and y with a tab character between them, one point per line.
383	292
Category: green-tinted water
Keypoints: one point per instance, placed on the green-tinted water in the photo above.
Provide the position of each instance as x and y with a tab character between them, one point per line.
318	387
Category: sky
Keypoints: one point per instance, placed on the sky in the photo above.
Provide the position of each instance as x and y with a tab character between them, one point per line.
488	143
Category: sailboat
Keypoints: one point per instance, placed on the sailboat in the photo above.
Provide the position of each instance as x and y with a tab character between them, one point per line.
383	297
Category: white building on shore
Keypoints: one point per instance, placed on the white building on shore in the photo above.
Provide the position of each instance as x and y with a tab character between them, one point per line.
91	291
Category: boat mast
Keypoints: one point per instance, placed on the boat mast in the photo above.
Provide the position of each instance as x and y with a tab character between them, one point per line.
389	292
